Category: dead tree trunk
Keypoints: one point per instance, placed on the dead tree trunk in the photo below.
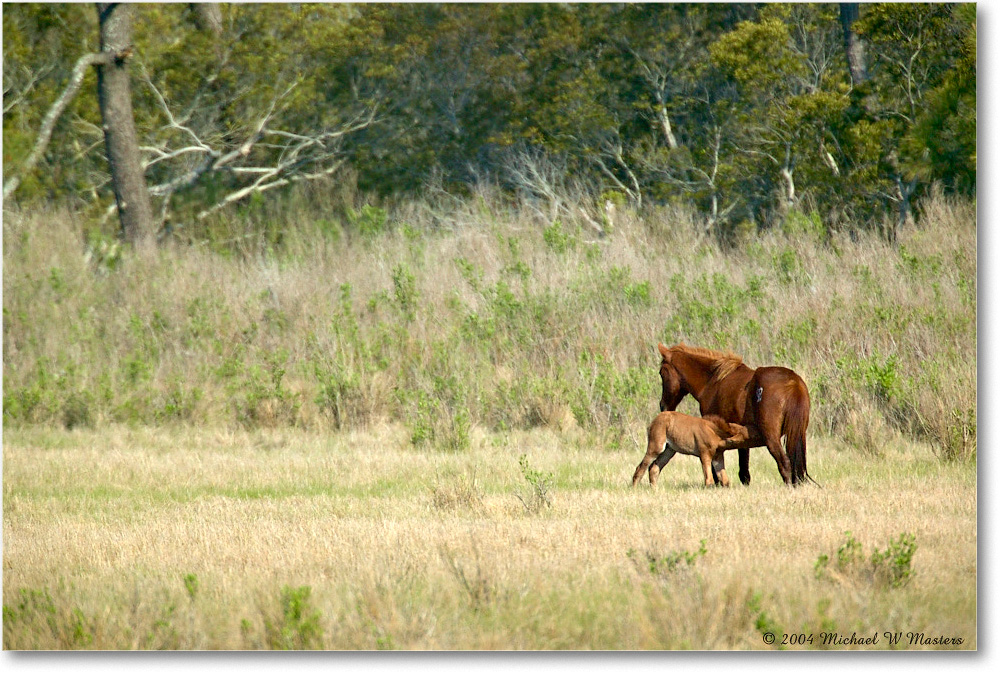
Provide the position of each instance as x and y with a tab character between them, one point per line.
788	177
853	45
114	93
668	130
207	17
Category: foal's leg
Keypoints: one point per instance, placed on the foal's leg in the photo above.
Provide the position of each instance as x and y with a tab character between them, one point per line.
661	461
647	460
706	465
719	468
654	449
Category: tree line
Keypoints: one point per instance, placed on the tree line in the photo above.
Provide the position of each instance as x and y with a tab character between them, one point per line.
755	115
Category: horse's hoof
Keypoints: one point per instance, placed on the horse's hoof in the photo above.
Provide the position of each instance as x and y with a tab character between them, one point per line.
745	478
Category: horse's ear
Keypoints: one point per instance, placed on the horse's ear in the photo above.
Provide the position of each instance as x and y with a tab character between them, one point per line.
664	351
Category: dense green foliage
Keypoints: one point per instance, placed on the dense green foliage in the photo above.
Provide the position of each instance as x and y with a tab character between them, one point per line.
745	112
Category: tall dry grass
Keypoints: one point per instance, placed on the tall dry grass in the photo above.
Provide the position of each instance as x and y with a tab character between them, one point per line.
456	315
184	538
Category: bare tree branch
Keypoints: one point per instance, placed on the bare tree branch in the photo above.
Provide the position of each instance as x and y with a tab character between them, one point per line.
33	79
172	123
611	148
208	17
269	156
539	177
52	116
261	185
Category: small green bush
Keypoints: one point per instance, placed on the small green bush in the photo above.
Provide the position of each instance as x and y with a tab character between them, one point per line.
787	266
298	625
892	567
405	293
660	565
370	221
556	239
191	585
540	484
799	222
763	622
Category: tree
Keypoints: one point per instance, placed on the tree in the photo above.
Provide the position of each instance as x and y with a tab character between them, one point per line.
943	138
742	110
208	17
686	151
446	79
45	65
916	45
784	100
114	93
854	46
259	115
83	64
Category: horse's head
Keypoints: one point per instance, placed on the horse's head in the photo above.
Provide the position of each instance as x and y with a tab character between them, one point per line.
674	389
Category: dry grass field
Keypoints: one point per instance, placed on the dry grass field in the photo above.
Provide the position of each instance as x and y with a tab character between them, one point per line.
197	539
334	427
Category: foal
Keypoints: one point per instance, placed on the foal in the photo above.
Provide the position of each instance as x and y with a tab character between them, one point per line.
705	437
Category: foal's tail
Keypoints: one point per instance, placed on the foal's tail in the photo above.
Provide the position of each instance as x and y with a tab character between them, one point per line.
796	421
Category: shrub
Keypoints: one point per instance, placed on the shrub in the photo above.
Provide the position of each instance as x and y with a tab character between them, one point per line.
262	399
297	627
660	565
439	417
405	294
191	585
889	568
370	221
538	495
787	266
763	621
557	240
894	565
798	222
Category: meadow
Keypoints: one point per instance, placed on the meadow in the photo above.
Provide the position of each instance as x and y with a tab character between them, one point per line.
413	427
192	539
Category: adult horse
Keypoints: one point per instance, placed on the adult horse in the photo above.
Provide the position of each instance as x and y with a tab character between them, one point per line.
772	402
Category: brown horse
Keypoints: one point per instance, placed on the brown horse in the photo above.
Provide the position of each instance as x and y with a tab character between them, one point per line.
772	402
705	437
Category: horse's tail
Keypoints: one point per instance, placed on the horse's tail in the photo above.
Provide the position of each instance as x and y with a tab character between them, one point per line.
796	422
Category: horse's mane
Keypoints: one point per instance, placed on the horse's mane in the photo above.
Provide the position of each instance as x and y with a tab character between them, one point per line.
723	363
721	424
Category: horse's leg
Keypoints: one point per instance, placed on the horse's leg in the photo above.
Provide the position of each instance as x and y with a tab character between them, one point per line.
719	468
661	461
744	453
773	439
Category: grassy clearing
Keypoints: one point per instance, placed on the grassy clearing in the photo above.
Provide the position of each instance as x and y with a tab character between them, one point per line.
414	428
180	538
478	314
